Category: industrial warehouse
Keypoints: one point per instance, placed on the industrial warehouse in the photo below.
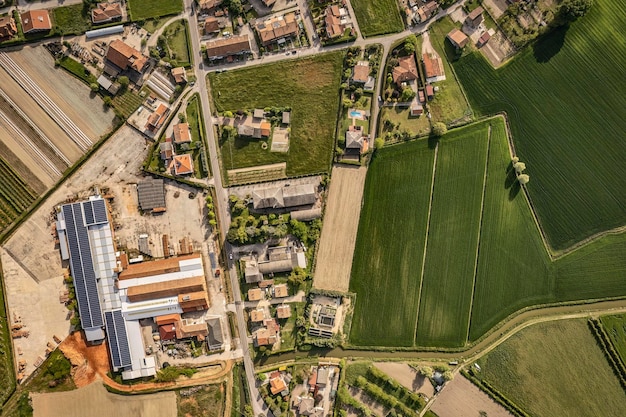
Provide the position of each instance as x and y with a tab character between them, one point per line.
121	301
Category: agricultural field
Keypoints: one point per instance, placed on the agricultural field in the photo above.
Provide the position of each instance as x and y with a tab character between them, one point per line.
453	235
15	194
310	86
378	17
388	257
615	327
565	121
147	9
125	104
562	359
511	270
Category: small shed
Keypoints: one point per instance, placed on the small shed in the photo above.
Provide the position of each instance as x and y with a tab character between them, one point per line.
286	117
151	195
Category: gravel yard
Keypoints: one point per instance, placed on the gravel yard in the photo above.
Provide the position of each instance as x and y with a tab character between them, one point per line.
341	223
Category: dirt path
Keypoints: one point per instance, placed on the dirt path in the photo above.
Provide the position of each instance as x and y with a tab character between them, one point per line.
338	240
460	397
427	47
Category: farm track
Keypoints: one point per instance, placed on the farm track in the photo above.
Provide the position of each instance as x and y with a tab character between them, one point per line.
64	122
54	162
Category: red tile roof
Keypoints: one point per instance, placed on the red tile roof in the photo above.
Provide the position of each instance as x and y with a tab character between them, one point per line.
406	70
228	46
125	56
182	133
35	21
277	27
7	28
183	164
105	12
433	66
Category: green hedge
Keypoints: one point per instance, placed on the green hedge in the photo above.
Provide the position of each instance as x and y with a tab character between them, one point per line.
609	350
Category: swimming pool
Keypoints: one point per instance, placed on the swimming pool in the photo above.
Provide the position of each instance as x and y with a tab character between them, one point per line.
355	113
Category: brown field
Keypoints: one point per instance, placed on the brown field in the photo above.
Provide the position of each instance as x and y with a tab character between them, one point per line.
95	400
407	376
334	260
363	398
462	398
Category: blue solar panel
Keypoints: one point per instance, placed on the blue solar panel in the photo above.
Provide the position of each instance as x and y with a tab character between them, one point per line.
100	211
118	339
88	210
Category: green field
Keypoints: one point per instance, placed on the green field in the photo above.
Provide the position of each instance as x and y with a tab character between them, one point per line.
71	20
513	269
615	327
125	104
555	369
77	69
176	36
564	97
310	86
390	245
207	402
453	235
15	195
146	9
377	17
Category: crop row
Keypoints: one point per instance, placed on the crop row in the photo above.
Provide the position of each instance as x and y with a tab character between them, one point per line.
609	350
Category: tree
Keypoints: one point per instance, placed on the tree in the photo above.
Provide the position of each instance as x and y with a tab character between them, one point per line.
182	117
379	143
107	101
297	277
228	114
515	160
94	87
439	129
448	375
519	167
426	371
523	179
570	10
410	44
407	94
346	103
124	82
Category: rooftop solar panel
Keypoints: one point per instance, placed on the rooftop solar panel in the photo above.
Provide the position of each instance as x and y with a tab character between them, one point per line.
100	211
118	339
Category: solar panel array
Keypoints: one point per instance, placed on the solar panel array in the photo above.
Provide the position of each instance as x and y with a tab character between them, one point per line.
118	339
95	212
81	265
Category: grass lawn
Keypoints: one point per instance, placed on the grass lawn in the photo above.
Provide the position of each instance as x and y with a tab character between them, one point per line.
310	86
77	69
153	25
288	330
449	104
555	369
513	266
377	17
615	327
417	126
177	37
565	121
390	244
453	237
7	382
146	9
71	20
207	402
196	126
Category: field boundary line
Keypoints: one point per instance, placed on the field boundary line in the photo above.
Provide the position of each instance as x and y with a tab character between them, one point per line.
430	205
480	229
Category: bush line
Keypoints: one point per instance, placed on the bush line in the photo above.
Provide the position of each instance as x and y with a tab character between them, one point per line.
604	342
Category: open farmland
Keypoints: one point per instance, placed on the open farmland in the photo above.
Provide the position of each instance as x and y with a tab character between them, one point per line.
377	17
388	257
310	86
511	270
565	98
147	9
615	327
452	248
15	195
555	369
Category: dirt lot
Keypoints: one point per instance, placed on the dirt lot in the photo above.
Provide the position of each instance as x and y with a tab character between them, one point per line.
85	401
407	376
363	398
462	398
334	260
89	362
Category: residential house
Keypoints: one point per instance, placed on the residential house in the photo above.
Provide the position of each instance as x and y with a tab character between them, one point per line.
332	21
250	266
257	316
179	74
264	337
228	47
278	386
271	324
125	57
167	150
182	134
426	12
182	164
208	6
269	3
255	294
283	311
157	118
354	138
35	21
433	68
254	128
323	374
307	407
475	17
277	29
482	41
106	12
211	25
281	291
285	196
458	38
7	28
405	71
361	72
